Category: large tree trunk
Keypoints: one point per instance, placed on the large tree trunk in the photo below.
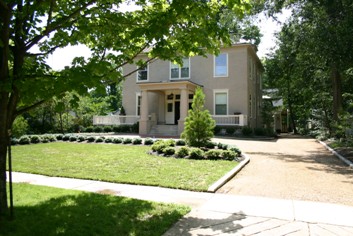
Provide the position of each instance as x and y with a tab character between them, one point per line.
3	152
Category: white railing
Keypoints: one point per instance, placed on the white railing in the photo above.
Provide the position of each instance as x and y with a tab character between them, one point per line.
240	120
115	120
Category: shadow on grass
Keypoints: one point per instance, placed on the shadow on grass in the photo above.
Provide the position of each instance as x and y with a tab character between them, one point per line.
90	214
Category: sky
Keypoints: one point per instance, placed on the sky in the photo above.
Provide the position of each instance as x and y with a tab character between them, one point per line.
268	27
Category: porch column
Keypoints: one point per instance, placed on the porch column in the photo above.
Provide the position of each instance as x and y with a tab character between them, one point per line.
184	107
144	122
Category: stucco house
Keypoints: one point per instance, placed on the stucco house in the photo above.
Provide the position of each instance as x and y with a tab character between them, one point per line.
160	94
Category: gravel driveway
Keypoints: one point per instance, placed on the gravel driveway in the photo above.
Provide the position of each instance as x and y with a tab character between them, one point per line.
291	167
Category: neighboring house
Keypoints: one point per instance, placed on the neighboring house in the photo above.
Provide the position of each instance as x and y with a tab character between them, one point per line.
160	94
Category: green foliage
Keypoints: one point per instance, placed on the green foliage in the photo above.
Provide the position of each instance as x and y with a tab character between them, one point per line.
66	137
196	153
89	129
213	154
135	127
127	140
117	140
236	150
107	129
125	128
217	129
137	141
14	141
158	146
35	139
199	124
108	140
182	152
81	138
259	131
229	155
169	151
99	140
59	137
246	131
19	127
97	129
148	141
180	142
230	130
24	140
210	145
91	139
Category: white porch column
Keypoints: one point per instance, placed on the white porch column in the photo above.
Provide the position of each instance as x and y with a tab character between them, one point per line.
184	107
144	122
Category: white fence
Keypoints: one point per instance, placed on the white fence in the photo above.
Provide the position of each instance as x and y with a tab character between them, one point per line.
115	120
240	120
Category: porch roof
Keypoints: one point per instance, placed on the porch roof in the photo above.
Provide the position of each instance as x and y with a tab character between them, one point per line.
169	85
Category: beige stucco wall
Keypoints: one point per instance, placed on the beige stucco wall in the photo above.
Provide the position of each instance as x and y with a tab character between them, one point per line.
239	83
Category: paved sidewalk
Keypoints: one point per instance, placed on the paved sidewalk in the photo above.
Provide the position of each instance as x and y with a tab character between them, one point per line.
221	214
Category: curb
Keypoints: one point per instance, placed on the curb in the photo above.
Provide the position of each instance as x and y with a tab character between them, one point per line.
219	183
342	158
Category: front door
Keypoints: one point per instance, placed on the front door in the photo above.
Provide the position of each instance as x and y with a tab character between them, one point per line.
176	112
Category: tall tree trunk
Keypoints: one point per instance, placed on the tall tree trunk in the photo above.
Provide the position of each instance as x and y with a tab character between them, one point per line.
336	92
3	153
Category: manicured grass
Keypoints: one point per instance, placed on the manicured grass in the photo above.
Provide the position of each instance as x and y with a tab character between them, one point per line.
117	163
50	211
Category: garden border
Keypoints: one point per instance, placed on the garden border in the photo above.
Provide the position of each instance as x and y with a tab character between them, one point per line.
219	183
342	158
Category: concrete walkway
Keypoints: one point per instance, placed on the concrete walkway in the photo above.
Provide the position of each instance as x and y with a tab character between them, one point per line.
224	214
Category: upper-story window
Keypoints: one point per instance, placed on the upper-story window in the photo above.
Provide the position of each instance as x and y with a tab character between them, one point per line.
221	65
142	73
180	72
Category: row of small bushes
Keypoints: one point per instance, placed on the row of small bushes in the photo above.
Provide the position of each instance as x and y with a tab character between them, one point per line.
243	130
211	151
107	129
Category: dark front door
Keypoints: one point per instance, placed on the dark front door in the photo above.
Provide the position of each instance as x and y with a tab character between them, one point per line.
176	112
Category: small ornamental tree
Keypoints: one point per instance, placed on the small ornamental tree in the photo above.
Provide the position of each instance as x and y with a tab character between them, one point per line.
199	124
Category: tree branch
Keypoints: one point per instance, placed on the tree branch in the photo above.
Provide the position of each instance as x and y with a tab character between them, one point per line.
151	60
56	25
25	109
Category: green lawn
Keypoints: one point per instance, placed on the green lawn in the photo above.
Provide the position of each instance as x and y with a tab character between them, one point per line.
50	211
117	163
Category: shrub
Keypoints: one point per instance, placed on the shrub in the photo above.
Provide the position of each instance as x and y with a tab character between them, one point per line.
148	141
108	140
99	140
136	141
73	138
230	130
158	146
107	129
180	142
125	128
35	139
97	129
24	140
259	131
81	138
196	153
19	127
246	131
217	129
222	146
116	129
14	141
170	142
50	137
229	155
182	152
213	154
169	151
91	139
89	129
210	145
127	140
59	137
117	140
66	137
236	150
135	128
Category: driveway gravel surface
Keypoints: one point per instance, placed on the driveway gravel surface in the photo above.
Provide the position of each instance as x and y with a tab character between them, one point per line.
291	167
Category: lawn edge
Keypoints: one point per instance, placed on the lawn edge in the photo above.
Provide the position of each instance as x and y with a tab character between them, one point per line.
342	158
219	183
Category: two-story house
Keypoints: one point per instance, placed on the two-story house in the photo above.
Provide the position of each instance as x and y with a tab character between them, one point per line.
161	93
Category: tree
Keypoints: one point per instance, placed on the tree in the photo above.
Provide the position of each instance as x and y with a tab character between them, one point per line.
170	30
199	124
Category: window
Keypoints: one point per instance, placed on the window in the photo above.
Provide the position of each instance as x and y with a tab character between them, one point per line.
221	102
180	72
138	104
142	74
221	65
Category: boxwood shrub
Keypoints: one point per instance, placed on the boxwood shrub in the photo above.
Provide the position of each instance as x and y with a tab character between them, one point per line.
117	140
108	140
89	129
35	139
229	155
73	138
137	141
196	153
24	140
99	140
148	141
97	129
59	137
169	151
127	140
214	154
91	139
182	152
180	142
80	138
107	129
66	137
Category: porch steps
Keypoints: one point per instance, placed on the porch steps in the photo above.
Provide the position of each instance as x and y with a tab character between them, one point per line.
164	131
